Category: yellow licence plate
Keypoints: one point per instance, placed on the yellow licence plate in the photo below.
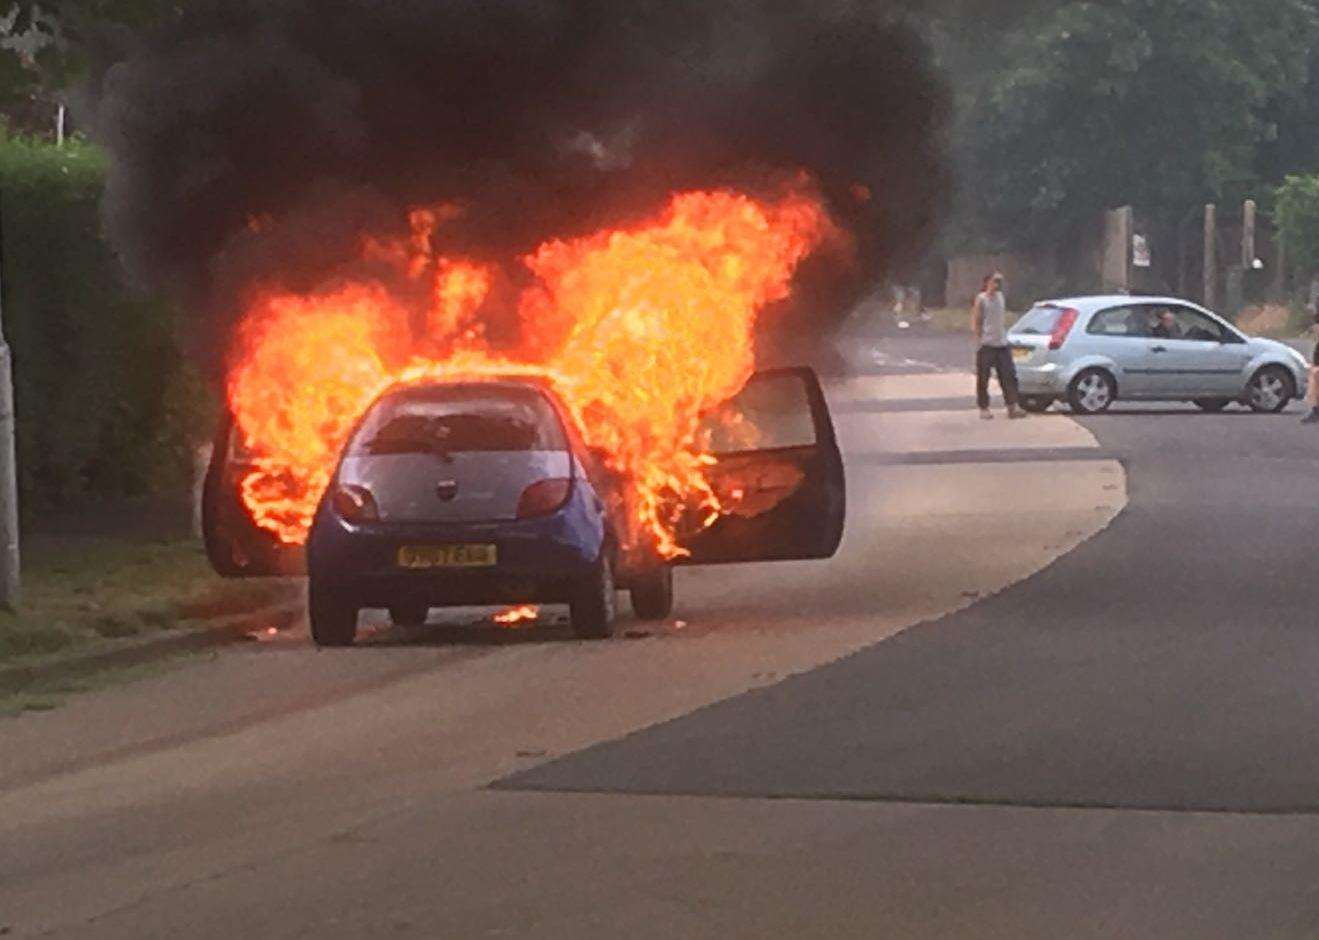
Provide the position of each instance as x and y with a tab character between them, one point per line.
447	556
1018	353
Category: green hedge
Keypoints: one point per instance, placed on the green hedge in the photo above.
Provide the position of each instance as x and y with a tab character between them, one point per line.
106	403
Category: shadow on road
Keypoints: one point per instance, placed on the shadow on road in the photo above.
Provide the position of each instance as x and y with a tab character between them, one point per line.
550	628
450	634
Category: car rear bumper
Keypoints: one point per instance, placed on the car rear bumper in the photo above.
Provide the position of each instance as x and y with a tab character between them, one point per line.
1044	379
537	560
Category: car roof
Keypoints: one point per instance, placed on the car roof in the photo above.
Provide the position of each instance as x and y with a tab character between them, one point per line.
537	383
1093	302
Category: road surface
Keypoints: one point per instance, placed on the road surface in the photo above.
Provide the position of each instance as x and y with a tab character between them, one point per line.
1058	682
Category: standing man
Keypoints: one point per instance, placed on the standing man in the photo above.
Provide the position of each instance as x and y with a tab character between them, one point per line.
989	323
1312	389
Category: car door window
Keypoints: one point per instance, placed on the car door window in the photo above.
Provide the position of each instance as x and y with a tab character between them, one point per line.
776	471
1119	322
763	416
1194	325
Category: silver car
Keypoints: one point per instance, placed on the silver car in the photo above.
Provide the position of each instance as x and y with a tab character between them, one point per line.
1091	351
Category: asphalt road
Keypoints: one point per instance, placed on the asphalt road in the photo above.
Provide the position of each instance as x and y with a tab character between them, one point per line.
910	741
1169	663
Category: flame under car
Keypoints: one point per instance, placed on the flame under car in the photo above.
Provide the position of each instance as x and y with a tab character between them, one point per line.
483	491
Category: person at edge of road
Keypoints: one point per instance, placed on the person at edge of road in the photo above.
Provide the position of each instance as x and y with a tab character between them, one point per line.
1312	390
990	325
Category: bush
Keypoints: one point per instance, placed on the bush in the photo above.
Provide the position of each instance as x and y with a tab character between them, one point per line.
1297	216
105	401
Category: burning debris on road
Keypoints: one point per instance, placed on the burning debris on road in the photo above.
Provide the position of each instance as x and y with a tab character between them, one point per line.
524	614
353	194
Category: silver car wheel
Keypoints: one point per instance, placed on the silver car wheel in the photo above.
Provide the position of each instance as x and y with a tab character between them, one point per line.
1268	391
1094	392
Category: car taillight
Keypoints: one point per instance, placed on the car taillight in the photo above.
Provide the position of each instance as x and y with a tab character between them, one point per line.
355	504
1066	320
543	497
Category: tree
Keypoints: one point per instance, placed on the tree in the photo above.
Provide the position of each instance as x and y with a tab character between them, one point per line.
1297	215
1158	103
45	47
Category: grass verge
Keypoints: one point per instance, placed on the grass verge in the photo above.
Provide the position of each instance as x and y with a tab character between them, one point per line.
79	591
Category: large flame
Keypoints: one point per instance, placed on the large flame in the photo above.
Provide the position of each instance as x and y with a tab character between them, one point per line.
642	329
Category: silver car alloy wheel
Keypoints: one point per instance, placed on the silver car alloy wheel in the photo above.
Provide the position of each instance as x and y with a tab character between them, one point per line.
1094	392
1267	391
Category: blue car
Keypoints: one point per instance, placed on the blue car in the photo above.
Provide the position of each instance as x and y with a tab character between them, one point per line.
472	492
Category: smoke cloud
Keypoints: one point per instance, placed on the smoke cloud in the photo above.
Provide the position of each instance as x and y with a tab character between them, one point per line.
257	140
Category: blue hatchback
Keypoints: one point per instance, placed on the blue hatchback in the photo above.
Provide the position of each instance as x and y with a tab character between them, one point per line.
472	492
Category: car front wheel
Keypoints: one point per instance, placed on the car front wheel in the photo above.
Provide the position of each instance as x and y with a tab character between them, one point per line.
1036	403
1270	389
1212	404
1092	392
332	616
591	609
652	594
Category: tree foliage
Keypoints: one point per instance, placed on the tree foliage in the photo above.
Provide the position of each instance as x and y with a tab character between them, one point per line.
1082	106
45	47
1297	215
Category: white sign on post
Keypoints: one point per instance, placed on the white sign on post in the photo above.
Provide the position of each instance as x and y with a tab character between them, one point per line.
1140	251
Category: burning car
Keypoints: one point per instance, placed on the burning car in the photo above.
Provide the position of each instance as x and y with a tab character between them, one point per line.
476	490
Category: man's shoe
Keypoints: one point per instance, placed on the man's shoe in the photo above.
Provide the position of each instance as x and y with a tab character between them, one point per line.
1015	413
986	415
1312	417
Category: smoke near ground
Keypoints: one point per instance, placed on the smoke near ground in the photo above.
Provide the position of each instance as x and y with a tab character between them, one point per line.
255	141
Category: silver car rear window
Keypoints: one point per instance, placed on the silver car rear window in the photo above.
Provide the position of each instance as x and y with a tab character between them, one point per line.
1039	319
460	419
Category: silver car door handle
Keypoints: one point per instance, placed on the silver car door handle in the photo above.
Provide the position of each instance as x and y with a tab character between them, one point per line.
1158	349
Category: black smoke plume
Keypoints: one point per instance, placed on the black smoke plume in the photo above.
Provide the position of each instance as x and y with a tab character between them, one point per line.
257	140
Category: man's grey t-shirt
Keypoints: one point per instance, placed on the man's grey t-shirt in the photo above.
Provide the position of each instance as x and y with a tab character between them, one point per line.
993	319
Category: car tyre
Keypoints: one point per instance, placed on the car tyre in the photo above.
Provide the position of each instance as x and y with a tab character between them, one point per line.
592	608
1270	390
1036	403
332	616
1212	404
652	593
1092	392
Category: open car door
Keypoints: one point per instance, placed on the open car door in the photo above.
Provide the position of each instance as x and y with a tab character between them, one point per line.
778	474
236	546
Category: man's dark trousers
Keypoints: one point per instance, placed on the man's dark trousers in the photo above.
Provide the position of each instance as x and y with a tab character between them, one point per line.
998	358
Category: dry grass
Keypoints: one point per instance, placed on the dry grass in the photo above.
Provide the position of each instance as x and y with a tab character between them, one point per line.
1275	321
78	591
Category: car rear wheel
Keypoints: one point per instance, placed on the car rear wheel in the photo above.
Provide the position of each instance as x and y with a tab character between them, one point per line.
333	616
1270	389
592	607
652	594
1036	403
1092	392
1212	404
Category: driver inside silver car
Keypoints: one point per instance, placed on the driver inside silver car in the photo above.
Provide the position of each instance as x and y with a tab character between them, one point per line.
1163	325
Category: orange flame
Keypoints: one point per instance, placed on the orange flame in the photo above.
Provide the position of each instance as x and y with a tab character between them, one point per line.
516	615
642	329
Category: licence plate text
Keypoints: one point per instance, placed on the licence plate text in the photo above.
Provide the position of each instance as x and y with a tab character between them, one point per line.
447	556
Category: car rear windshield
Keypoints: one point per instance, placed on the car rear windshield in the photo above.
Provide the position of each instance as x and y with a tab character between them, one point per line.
458	419
1038	320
